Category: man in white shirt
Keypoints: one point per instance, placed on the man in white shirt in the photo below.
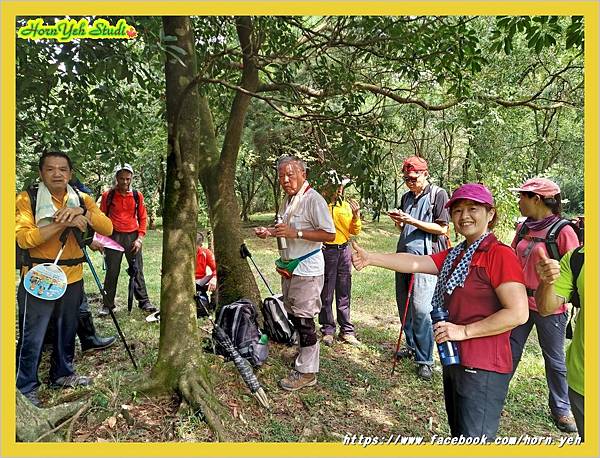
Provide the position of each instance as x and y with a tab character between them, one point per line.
306	224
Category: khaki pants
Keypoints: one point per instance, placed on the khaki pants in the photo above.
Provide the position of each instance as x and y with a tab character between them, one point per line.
302	299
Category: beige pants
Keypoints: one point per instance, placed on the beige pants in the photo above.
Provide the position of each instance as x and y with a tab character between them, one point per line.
302	298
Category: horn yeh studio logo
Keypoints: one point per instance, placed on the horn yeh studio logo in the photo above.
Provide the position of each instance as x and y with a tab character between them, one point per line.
66	30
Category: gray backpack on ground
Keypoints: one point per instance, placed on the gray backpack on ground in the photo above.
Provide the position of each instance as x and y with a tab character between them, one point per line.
277	325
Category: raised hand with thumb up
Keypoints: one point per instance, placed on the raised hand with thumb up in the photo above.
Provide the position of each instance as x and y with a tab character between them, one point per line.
360	256
548	270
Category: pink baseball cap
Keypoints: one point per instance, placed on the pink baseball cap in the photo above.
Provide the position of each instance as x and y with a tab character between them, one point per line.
542	186
472	191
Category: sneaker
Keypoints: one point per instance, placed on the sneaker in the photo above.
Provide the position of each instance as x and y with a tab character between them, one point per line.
148	308
104	311
71	381
350	339
297	380
565	423
153	317
33	398
327	340
405	353
424	372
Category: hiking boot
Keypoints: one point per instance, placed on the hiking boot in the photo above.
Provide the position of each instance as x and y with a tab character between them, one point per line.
71	381
424	372
327	340
350	339
147	307
405	353
297	380
88	338
104	311
96	343
565	423
33	398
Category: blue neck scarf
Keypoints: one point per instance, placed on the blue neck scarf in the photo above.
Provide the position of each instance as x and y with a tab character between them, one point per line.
447	282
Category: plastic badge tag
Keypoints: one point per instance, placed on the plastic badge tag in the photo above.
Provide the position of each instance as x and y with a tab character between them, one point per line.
46	281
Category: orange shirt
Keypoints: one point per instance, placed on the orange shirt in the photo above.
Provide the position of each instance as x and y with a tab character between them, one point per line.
123	214
205	257
29	238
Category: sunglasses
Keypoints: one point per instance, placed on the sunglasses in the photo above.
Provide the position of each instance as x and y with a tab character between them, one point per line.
411	179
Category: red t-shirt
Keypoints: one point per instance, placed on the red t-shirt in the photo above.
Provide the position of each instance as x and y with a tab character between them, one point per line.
123	214
205	257
493	264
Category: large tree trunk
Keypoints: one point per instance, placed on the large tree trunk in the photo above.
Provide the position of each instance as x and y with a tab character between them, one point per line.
217	174
180	365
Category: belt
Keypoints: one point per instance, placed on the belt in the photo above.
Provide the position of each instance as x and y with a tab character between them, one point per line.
530	292
332	246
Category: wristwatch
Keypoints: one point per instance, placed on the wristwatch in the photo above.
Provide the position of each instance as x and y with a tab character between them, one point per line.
299	234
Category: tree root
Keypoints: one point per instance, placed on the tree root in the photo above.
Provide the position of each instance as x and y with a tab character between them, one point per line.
68	420
197	392
33	424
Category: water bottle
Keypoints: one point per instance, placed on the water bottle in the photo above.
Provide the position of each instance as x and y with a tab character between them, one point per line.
448	350
281	241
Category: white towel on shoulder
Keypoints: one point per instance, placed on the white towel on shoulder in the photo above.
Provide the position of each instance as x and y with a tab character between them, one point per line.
45	208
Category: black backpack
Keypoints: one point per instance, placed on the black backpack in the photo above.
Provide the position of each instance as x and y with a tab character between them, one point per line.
22	256
551	236
277	324
576	264
239	322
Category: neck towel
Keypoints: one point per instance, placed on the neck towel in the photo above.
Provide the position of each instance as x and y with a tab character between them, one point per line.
539	224
45	208
294	202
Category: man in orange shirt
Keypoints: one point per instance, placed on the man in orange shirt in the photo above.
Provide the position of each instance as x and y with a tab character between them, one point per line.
206	276
125	208
58	207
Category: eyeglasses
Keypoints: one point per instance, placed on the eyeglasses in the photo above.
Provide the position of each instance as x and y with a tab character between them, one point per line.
411	179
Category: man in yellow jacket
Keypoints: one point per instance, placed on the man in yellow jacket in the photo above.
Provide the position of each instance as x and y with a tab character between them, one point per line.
38	230
338	263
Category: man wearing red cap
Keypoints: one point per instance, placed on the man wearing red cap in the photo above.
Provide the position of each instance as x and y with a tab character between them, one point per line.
423	221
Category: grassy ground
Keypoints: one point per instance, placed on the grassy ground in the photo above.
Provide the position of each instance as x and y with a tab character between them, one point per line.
356	393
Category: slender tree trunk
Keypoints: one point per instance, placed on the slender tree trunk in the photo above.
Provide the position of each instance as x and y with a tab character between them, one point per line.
180	365
217	174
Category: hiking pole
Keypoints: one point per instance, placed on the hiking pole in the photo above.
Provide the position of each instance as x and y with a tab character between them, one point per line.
103	294
411	285
245	253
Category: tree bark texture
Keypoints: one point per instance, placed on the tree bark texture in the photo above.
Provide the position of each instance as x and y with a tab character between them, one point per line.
180	365
217	175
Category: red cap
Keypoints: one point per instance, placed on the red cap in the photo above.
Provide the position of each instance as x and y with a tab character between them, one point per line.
542	186
414	164
472	191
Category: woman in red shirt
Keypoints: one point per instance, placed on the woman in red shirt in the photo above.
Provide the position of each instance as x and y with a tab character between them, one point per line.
480	283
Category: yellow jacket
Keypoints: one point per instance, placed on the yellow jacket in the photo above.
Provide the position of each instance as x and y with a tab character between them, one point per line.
29	238
345	224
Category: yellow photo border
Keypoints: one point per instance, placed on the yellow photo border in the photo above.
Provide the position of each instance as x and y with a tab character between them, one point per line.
12	9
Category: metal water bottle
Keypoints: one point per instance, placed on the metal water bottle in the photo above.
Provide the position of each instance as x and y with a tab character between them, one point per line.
448	350
281	241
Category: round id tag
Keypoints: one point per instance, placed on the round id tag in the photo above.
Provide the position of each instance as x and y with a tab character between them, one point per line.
46	281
